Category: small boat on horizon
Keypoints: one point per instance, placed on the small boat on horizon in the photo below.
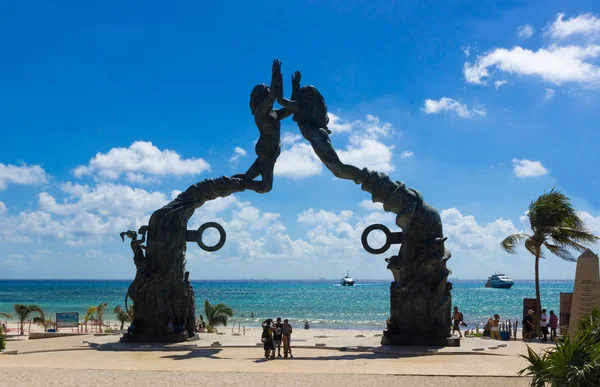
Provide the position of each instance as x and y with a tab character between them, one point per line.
499	281
347	280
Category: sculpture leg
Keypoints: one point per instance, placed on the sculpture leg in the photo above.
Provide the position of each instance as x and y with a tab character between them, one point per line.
251	174
263	166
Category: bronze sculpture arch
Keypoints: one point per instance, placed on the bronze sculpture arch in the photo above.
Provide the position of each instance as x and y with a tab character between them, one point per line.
420	298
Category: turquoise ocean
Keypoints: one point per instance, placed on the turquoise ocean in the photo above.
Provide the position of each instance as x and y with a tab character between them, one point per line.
325	304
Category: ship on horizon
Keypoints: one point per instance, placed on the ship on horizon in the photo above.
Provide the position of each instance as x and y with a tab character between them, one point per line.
347	280
499	281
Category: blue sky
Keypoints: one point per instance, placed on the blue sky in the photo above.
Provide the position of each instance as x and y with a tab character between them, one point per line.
107	111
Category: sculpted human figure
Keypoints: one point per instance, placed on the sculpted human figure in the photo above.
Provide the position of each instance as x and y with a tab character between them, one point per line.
310	113
139	259
136	245
267	120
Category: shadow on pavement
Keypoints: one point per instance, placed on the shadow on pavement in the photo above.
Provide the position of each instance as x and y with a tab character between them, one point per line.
197	353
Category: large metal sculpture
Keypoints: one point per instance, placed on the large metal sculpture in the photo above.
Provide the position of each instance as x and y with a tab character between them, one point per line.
420	294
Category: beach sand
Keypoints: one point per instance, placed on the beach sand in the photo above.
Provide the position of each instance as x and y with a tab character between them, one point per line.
69	361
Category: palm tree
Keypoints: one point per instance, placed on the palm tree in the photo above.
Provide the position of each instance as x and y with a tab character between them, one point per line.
99	311
41	320
217	314
23	311
124	315
556	226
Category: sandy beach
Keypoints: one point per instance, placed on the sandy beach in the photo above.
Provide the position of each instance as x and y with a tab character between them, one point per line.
237	360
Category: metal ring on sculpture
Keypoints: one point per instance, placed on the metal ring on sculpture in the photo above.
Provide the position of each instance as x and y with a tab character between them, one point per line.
386	245
222	236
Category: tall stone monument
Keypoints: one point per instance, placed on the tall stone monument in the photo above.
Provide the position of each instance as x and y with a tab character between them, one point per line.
586	294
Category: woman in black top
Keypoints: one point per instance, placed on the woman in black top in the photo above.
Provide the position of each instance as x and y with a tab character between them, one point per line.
267	338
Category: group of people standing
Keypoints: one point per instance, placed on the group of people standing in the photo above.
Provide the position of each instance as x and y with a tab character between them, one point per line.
492	327
545	322
275	334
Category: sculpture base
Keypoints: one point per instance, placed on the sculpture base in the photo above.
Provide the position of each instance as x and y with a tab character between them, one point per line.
415	340
167	339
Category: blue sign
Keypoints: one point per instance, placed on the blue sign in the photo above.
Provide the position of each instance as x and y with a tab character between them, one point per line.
67	320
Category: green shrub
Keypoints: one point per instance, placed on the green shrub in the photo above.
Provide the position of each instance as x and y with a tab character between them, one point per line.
2	340
572	363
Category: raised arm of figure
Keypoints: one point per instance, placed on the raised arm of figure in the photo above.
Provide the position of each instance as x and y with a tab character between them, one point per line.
291	105
275	90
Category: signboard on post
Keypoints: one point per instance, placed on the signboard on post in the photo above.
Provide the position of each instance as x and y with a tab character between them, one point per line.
67	320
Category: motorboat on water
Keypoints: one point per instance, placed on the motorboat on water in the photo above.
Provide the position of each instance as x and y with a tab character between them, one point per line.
347	281
500	281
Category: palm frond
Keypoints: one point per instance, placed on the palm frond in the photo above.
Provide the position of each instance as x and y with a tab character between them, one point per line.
533	245
218	314
90	313
510	243
560	252
37	309
577	235
553	209
5	315
566	242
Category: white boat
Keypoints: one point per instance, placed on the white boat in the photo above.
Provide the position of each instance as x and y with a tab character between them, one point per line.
347	281
499	280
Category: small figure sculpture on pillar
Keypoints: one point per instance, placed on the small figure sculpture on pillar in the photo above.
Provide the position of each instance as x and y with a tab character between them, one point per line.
136	245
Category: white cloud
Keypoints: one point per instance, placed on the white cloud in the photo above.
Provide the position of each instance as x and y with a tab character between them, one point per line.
464	233
466	50
364	149
337	125
140	158
328	218
448	104
554	64
336	235
2	208
289	138
497	84
525	31
237	154
406	154
298	162
12	174
374	127
549	94
586	24
591	222
528	168
87	215
371	206
140	178
367	152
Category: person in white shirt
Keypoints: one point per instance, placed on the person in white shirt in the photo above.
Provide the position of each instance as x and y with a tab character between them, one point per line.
544	324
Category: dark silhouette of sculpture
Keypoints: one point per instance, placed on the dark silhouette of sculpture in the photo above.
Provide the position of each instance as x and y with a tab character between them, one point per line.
310	113
420	297
163	291
139	260
136	245
268	147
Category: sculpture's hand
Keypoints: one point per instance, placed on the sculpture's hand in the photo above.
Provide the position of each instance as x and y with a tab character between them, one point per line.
276	67
143	230
296	78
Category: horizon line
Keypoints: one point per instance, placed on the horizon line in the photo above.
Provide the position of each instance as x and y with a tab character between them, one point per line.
262	279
